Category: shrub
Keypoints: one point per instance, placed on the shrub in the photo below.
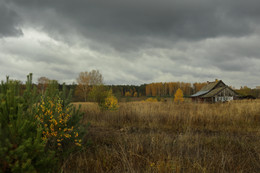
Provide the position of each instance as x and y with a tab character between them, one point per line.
151	100
111	103
98	94
60	121
104	97
54	119
128	94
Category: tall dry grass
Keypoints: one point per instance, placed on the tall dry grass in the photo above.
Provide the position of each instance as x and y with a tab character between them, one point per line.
167	137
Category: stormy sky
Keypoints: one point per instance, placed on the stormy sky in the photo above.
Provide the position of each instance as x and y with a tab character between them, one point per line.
132	41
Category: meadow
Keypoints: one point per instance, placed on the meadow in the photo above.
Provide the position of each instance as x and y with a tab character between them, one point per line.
169	137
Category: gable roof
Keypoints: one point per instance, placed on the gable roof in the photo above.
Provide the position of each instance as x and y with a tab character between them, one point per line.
210	86
214	92
207	88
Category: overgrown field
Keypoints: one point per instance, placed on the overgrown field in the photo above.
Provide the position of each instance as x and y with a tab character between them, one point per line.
168	137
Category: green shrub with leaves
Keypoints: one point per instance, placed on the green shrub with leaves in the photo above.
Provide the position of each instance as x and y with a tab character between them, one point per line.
104	97
99	94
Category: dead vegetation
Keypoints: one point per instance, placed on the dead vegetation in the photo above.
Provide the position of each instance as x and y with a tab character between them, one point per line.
168	137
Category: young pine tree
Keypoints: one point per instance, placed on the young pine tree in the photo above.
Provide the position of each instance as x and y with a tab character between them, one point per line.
21	146
36	130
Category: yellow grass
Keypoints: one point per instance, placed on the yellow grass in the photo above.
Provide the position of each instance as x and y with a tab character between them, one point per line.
168	137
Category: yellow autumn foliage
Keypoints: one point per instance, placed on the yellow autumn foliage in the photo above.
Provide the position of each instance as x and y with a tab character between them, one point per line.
128	94
111	102
54	119
178	97
151	100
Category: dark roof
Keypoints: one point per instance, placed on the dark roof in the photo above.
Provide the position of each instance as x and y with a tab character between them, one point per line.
210	86
206	89
199	93
214	92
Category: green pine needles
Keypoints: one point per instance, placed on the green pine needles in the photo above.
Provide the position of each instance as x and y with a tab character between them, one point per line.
23	147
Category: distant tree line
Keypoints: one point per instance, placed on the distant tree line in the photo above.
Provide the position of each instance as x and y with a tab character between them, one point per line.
90	87
246	91
145	90
167	89
170	88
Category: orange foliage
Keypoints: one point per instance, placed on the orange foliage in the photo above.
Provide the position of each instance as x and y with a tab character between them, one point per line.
167	89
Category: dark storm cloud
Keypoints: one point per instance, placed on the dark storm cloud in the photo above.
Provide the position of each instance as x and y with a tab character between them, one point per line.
125	24
133	41
9	21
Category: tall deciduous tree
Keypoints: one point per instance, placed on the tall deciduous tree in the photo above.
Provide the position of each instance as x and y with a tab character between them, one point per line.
178	97
43	83
87	79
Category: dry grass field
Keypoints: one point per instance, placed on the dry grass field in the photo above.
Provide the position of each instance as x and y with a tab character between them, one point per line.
168	137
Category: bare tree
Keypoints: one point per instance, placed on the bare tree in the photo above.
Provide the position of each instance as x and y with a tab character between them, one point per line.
87	79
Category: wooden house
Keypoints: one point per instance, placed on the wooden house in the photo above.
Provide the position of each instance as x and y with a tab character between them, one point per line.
216	91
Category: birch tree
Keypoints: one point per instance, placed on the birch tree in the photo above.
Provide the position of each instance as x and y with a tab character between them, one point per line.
87	79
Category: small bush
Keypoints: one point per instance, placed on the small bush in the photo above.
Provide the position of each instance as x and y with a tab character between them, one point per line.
151	100
111	103
104	97
98	94
60	121
54	119
128	94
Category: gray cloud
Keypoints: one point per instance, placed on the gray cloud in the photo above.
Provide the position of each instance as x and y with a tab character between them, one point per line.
132	42
129	24
9	21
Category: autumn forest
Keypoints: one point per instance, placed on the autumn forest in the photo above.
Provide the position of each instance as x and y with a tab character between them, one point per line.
160	89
